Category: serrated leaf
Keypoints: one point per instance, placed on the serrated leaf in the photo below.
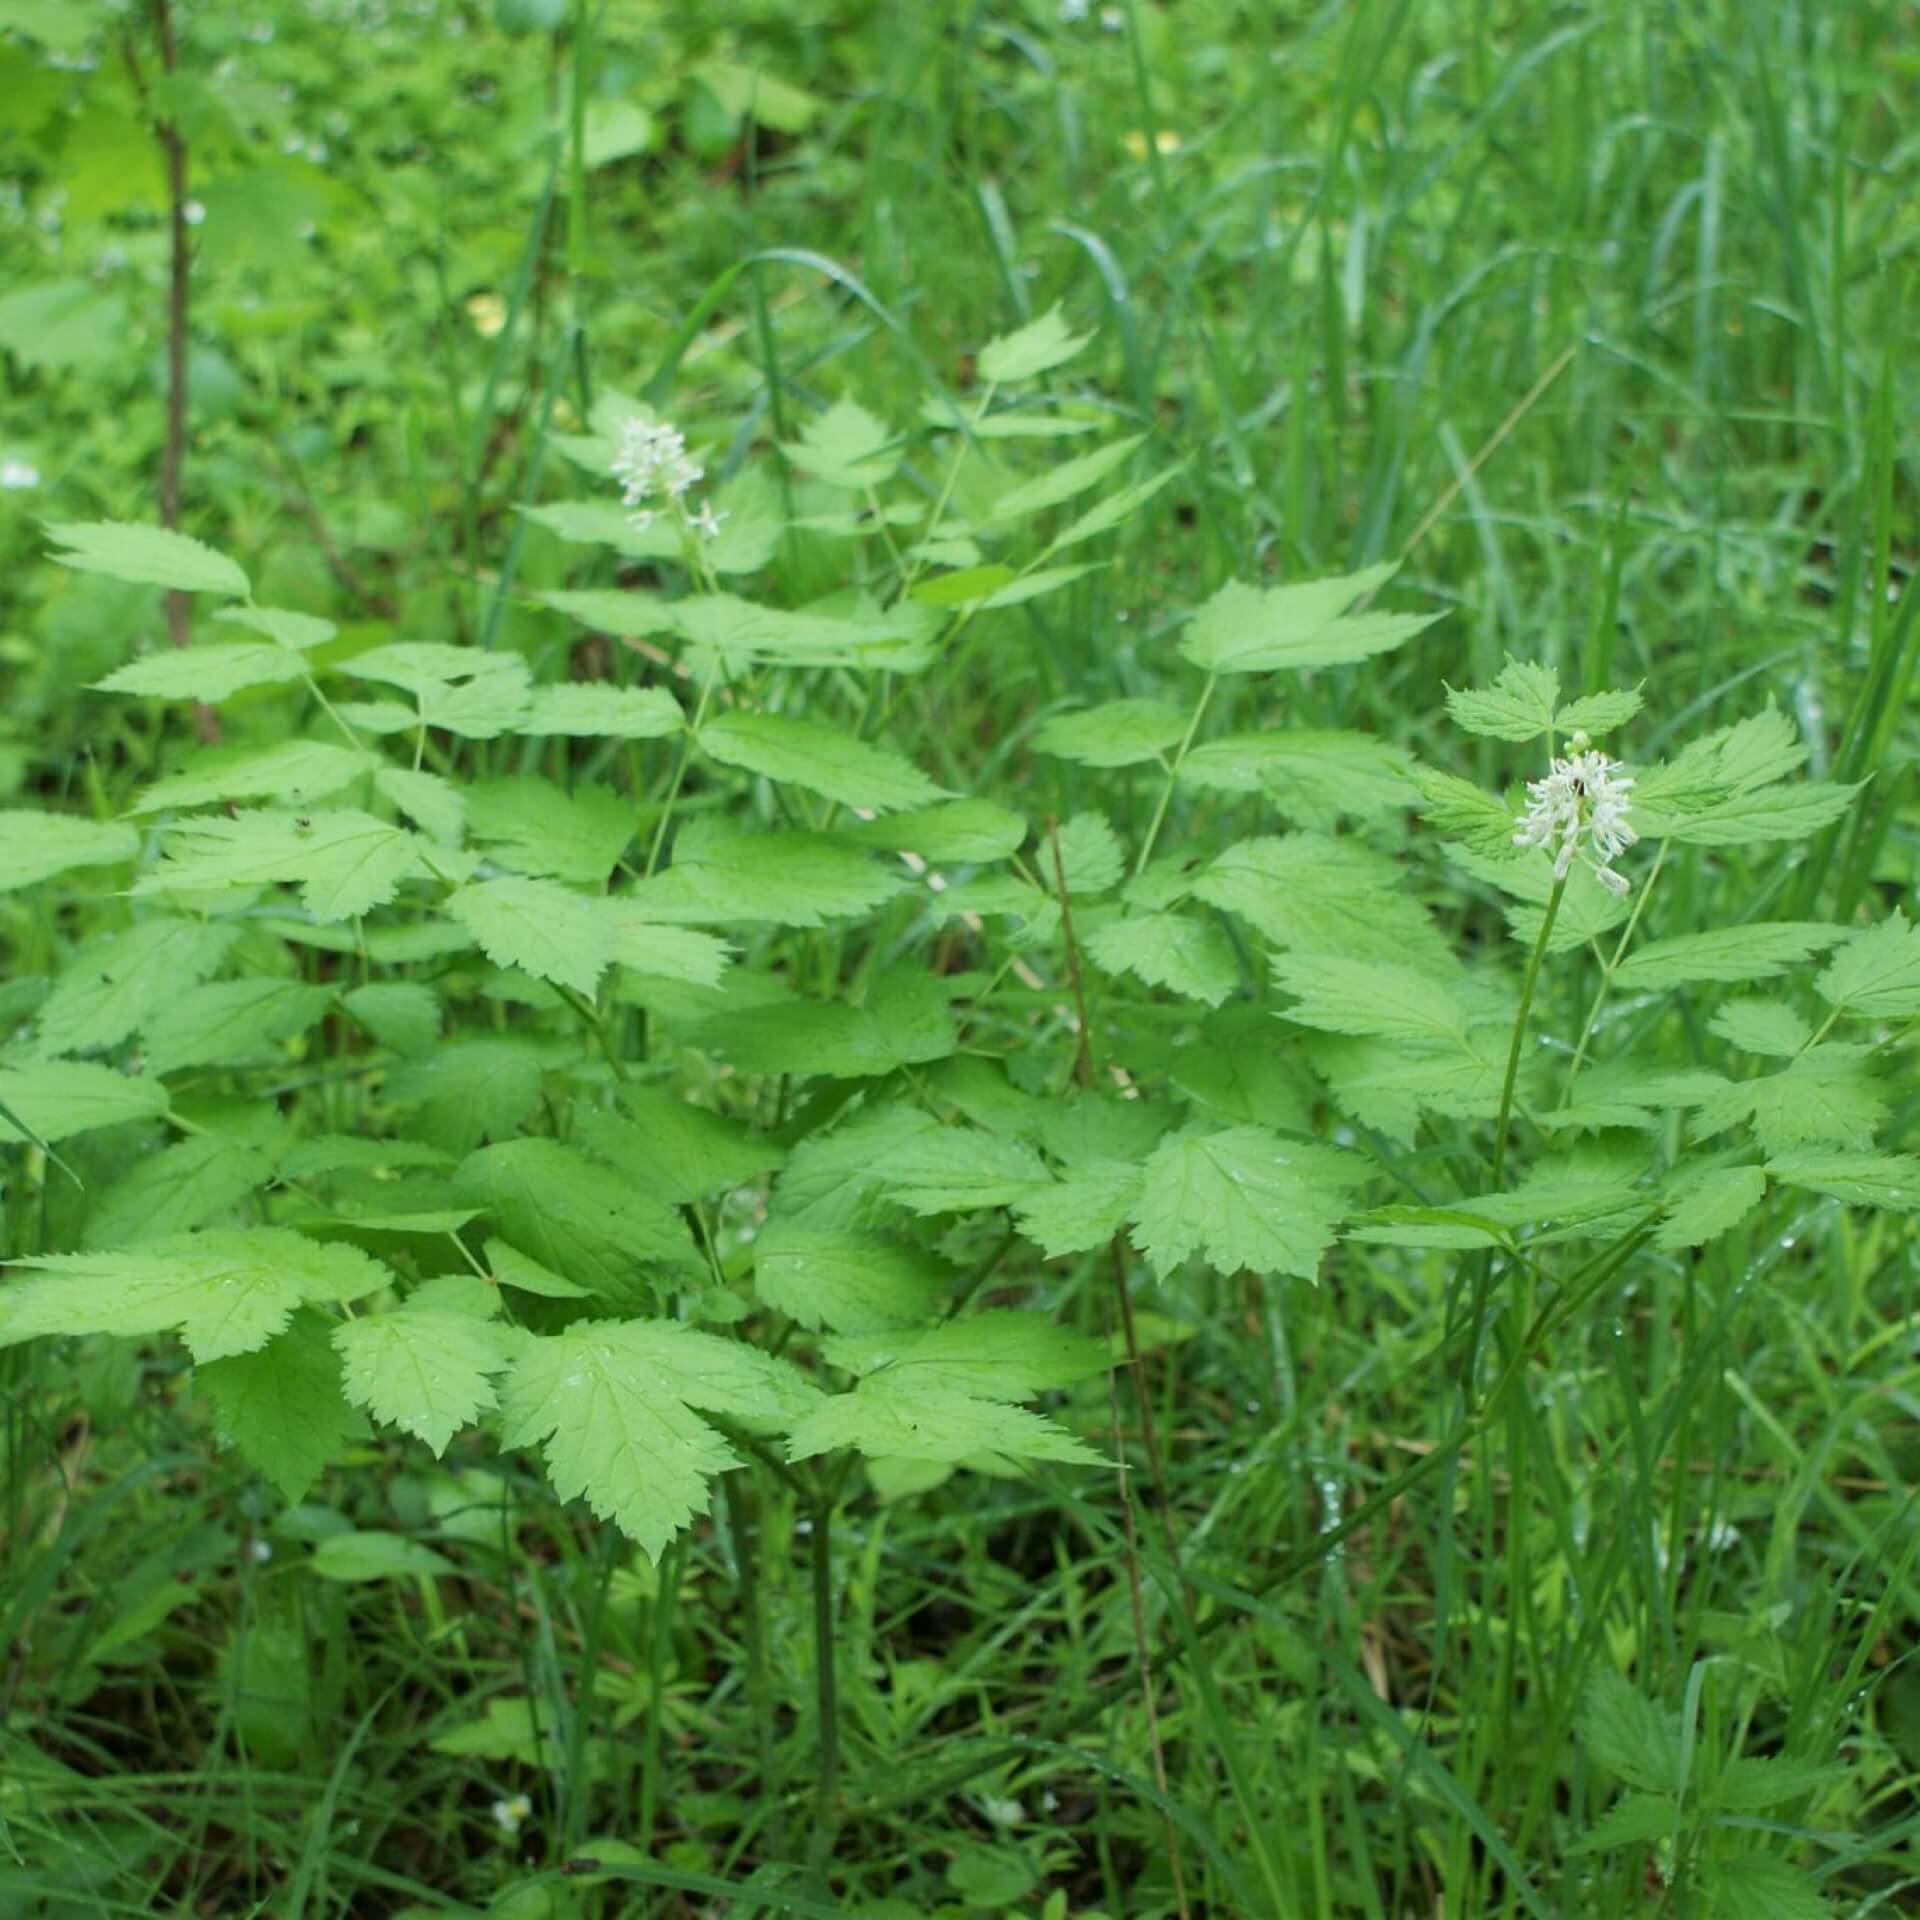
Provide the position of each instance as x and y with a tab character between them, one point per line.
528	823
822	759
599	711
468	1090
956	1169
1755	1886
539	927
1066	481
345	862
1756	951
665	953
1761	1026
370	1554
511	1268
1752	819
896	639
1003	1355
210	673
302	770
226	1291
1630	1736
970	831
434	804
1709	1204
36	846
1890	1181
1244	629
1117	508
1518	706
1825	1096
1090	855
1457	808
721	876
1388	1085
332	1152
1244	1198
113	982
675	1150
282	1406
230	1021
300	631
1083	1210
847	447
424	1371
1598	713
1031	350
840	1278
1343	995
180	1187
1751	1783
1876	975
611	1404
891	1416
1314	778
1637	1819
1121	733
151	556
1171	950
56	1099
465	690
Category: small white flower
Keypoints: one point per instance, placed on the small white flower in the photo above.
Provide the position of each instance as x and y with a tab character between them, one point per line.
18	475
652	459
511	1815
1583	794
705	522
192	212
1003	1813
261	1552
1072	12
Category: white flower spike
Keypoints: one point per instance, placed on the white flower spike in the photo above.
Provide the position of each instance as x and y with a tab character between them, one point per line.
1585	793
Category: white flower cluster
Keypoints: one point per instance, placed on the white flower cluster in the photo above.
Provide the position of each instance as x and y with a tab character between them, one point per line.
650	463
1582	794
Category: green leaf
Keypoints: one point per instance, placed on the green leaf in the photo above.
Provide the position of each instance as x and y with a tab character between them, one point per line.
151	556
435	805
751	93
896	639
465	690
838	1277
612	1404
1890	1181
1876	975
664	953
1090	855
113	982
528	823
1825	1096
1245	629
1637	1819
598	711
1031	351
1751	819
36	846
1761	1026
1756	951
1343	995
539	927
1064	482
1630	1736
722	876
846	447
1387	1085
361	1556
1002	1355
892	1416
1245	1198
56	1099
1479	820
956	1169
180	1187
300	770
1314	778
1122	733
1117	508
345	862
1709	1204
1518	706
1598	713
332	1152
401	1014
1755	1886
1171	950
823	759
1083	1210
511	1268
468	1090
576	1217
212	674
226	1291
674	1149
1751	1783
426	1371
230	1021
300	631
282	1406
969	831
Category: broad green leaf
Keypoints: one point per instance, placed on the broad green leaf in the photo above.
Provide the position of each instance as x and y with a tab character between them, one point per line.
468	1090
892	1416
152	556
722	876
298	770
675	1150
113	982
1629	1092
1245	629
1876	975
36	846
539	927
1031	351
840	1278
1063	482
1636	1819
465	690
300	631
895	639
1709	1204
969	586
597	710
972	832
665	953
56	1099
401	1014
352	1558
282	1406
1122	733
1751	1783
846	447
1750	819
611	1404
1388	1085
753	93
822	759
1756	951
956	1169
230	1021
1518	706
1006	1354
1241	1068
180	1187
1826	1096
332	1152
528	823
1591	1183
1762	1026
1757	1886
1630	1736
345	862
576	1217
226	1291
424	1371
1479	820
434	804
511	1268
1031	586
1244	1198
1890	1181
1598	713
1083	1210
1090	855
1172	950
1314	778
1343	995
210	673
1457	1228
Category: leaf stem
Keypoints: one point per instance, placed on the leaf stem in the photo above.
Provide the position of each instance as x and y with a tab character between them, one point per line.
1173	775
1610	967
1520	1020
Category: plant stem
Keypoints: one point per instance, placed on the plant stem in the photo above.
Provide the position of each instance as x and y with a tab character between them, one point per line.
1611	967
679	775
1083	1051
743	1515
827	1735
1173	774
1520	1020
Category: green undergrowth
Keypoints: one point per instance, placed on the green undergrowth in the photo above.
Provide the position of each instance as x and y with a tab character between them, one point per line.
812	1123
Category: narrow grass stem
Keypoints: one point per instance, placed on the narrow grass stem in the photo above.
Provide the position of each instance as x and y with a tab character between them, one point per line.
826	1694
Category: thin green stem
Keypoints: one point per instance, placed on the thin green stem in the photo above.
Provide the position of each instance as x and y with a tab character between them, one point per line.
1173	774
679	776
1520	1020
1611	967
827	1698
